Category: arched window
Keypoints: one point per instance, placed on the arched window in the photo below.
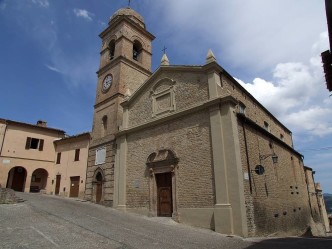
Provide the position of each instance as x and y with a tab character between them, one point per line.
99	177
111	47
104	126
137	50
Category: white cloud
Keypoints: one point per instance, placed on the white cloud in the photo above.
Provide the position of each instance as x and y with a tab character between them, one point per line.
84	14
41	3
251	35
315	120
54	69
297	95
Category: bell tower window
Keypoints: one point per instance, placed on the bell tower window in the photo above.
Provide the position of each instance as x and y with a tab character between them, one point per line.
137	50
104	126
111	47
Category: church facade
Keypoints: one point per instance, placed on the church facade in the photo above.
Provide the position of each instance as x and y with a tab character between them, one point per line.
189	142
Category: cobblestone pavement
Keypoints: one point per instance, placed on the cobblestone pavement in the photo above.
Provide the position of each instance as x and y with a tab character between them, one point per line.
44	221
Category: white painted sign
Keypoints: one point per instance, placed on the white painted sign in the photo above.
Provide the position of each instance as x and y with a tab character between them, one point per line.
246	176
5	161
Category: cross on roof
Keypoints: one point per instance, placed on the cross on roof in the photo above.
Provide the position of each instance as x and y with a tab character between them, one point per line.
164	49
129	3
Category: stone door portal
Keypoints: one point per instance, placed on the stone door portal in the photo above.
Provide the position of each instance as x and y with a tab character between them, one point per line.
99	187
164	194
163	170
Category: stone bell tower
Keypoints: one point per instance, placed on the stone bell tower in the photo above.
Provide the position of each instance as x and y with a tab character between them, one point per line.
125	63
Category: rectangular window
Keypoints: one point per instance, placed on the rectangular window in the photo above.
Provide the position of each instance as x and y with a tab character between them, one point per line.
100	155
34	143
281	137
77	154
242	108
58	158
266	126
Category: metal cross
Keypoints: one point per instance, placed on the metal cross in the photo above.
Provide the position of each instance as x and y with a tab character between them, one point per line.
129	3
164	49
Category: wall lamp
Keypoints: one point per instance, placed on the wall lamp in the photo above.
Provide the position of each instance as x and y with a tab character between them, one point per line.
274	157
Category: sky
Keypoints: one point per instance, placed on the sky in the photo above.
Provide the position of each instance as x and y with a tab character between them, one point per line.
49	55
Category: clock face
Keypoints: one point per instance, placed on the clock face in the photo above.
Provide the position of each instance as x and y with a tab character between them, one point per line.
107	82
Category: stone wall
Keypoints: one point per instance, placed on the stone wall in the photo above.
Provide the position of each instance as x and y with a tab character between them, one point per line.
189	138
191	88
7	196
276	201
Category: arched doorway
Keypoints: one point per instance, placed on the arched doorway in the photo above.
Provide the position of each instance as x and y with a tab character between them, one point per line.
16	178
162	166
98	185
38	180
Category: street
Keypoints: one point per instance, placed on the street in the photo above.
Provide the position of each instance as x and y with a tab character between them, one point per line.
44	221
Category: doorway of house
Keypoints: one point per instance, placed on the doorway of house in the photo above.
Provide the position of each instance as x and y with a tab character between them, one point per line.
164	194
74	186
57	184
16	179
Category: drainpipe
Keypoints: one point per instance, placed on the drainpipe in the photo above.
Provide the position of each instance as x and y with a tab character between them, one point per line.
3	139
247	156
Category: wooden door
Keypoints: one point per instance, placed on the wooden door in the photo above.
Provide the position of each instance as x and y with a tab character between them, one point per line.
99	191
74	186
57	184
18	179
164	192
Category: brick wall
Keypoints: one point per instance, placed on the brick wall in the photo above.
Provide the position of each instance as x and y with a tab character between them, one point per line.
278	200
189	138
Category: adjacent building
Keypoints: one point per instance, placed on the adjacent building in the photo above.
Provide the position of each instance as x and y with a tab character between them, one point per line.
70	165
30	159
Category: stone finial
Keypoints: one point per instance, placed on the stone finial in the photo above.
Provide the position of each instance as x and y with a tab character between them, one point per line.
128	93
164	60
210	57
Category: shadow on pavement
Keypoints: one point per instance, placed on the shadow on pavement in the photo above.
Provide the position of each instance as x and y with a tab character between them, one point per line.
294	243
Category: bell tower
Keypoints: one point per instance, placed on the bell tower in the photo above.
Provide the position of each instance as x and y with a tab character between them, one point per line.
125	63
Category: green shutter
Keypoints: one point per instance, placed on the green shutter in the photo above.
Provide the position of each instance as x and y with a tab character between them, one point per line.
28	142
41	144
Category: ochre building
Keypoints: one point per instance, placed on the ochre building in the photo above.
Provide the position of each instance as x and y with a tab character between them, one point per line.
189	142
37	158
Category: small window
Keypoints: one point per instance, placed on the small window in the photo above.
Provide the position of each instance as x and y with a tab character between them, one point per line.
137	50
242	108
266	126
104	126
112	49
77	154
100	155
58	158
34	143
281	137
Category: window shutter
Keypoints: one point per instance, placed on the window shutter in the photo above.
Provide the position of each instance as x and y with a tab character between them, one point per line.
28	142
41	144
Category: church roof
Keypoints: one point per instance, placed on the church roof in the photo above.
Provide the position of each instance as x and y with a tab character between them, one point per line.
132	14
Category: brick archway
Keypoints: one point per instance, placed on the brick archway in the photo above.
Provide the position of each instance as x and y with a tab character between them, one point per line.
17	178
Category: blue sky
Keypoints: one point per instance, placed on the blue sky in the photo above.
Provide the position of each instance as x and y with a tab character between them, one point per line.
49	54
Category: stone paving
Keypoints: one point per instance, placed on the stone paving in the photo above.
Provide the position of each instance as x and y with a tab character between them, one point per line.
44	221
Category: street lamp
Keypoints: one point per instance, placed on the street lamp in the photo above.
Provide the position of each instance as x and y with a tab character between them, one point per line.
273	155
